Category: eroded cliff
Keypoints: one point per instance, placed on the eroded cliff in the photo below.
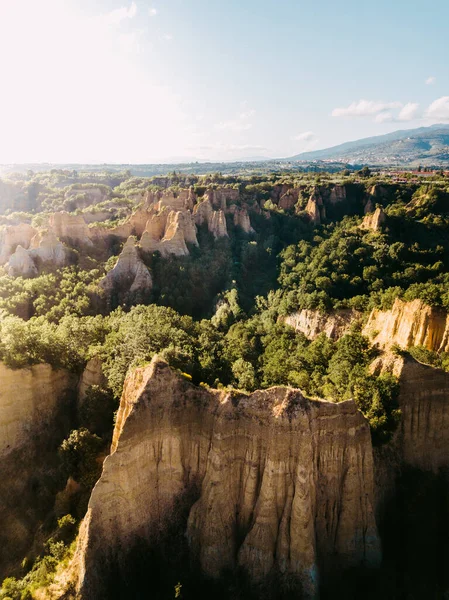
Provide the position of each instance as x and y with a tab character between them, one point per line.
34	414
271	482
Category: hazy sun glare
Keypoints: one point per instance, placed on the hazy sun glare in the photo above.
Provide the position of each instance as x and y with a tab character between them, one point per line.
73	89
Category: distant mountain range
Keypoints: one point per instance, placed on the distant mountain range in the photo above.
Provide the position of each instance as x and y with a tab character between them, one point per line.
422	146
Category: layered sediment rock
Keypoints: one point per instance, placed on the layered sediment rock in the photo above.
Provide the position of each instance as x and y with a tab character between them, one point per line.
45	247
337	194
13	236
40	389
282	482
71	227
409	324
169	232
215	219
129	278
312	323
34	408
241	219
315	208
21	264
130	275
375	220
92	375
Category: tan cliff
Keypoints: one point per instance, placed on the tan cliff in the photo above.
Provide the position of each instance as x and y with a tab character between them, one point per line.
44	249
409	324
375	220
241	218
33	412
71	227
40	388
423	434
168	232
130	277
312	322
292	476
215	219
12	236
315	207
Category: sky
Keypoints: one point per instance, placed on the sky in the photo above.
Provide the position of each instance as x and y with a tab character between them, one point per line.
118	81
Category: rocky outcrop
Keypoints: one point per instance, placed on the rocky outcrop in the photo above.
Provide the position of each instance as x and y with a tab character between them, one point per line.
71	227
423	435
81	196
283	483
129	280
288	200
375	220
13	236
312	323
179	200
215	219
315	208
409	324
21	264
337	194
241	219
217	224
92	375
46	248
169	232
20	415
34	409
202	212
223	197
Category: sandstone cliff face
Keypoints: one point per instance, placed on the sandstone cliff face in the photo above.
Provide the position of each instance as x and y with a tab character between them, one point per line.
168	232
312	323
40	388
92	375
315	208
375	220
281	482
45	247
337	194
423	434
241	218
215	219
13	236
409	324
72	227
130	277
21	264
33	414
222	197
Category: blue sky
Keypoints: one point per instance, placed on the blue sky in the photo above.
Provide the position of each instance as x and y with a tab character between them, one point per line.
143	81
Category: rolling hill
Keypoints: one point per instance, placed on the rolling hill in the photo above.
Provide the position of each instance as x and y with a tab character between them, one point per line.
425	146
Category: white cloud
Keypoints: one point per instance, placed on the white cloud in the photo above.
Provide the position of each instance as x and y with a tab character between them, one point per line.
365	108
167	37
152	12
384	117
438	110
409	112
306	136
431	80
383	112
241	123
118	15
